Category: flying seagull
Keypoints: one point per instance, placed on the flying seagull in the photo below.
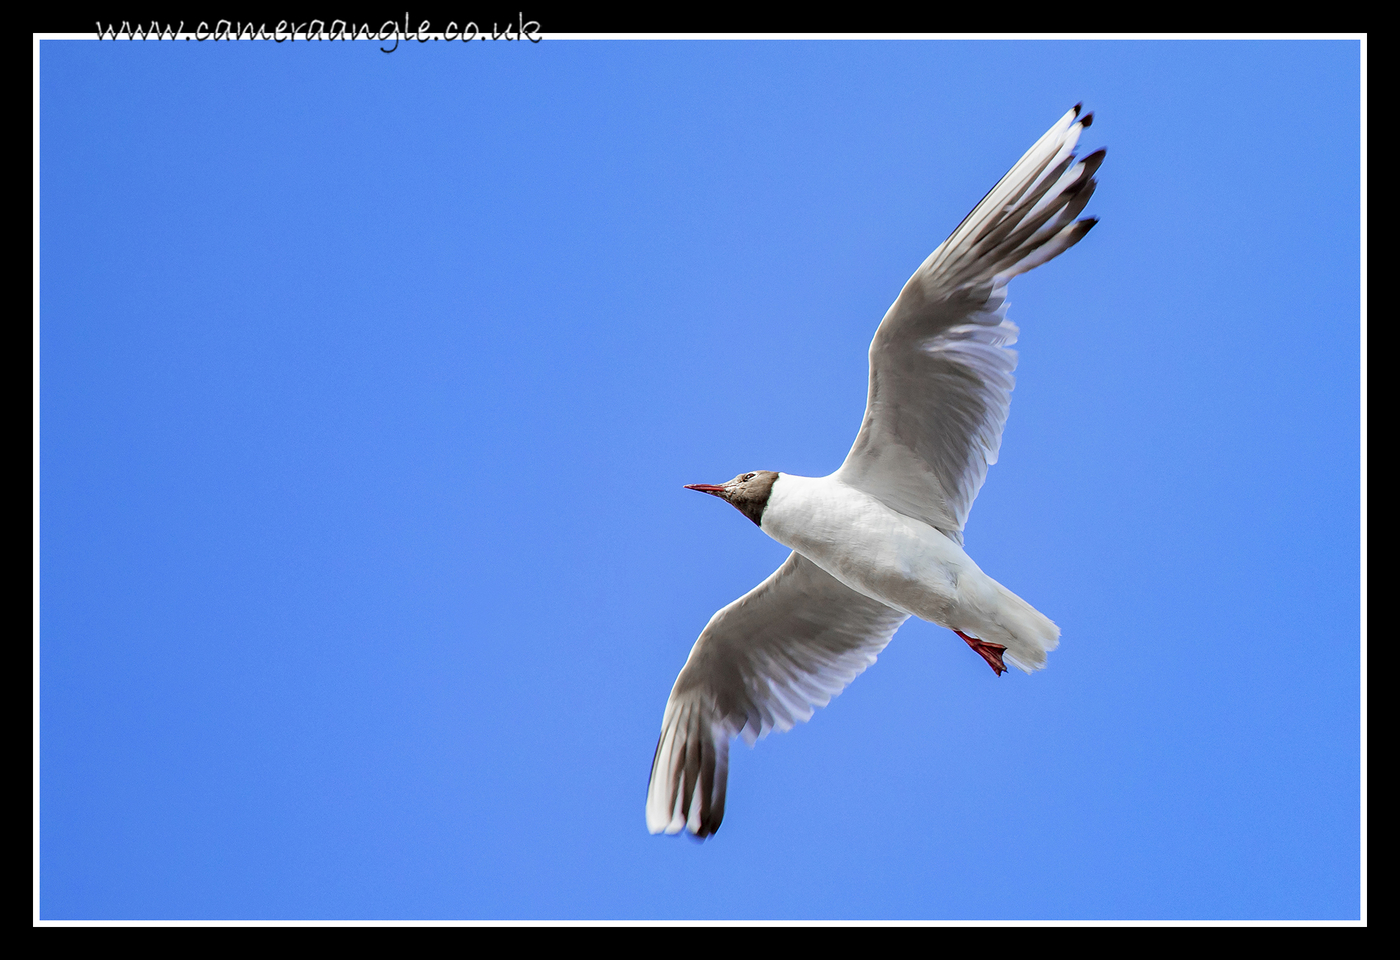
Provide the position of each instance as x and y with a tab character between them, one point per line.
880	540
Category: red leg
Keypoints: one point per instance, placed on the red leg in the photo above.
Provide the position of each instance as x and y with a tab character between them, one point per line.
990	652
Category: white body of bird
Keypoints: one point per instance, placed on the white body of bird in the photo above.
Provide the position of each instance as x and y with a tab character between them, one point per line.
903	563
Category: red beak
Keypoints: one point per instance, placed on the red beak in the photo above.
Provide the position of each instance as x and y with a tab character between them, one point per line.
705	487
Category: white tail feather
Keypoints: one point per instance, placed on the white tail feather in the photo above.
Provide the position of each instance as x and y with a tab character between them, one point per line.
1027	634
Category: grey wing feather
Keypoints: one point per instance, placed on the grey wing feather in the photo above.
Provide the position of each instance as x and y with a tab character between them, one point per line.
940	367
765	661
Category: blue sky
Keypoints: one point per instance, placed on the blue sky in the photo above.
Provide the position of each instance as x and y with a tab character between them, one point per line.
369	383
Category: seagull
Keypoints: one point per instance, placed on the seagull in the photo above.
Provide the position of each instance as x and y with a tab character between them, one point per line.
881	539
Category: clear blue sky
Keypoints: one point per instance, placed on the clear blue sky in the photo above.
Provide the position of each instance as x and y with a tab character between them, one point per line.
369	384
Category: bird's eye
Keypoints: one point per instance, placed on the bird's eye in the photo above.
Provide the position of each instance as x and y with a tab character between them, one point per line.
747	476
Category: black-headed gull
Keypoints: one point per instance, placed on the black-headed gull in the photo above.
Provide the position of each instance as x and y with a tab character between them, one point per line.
880	539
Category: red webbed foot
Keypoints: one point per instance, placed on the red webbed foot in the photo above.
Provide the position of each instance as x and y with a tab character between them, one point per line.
990	652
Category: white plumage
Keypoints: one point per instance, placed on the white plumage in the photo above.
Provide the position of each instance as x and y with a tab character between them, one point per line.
880	539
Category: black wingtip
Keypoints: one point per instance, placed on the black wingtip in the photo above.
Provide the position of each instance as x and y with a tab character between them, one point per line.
1077	107
1088	121
707	830
1093	161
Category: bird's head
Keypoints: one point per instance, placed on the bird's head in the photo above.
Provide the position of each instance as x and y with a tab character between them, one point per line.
748	492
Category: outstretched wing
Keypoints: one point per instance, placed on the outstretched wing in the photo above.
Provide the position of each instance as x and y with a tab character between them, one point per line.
767	660
940	370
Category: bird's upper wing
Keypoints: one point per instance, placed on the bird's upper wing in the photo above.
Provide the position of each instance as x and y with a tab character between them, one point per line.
767	660
940	370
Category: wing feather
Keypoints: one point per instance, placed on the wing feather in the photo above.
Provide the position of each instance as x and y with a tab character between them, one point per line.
764	662
940	364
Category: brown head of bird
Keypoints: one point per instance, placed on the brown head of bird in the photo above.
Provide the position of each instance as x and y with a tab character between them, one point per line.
748	492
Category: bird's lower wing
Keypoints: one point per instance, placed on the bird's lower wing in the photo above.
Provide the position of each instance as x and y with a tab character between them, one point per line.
767	660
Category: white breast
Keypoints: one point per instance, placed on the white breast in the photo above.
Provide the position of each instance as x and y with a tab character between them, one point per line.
898	560
903	563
